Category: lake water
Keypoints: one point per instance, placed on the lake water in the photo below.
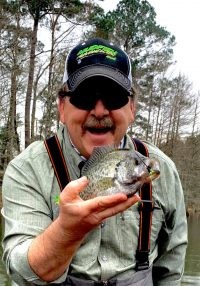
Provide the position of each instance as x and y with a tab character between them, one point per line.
192	264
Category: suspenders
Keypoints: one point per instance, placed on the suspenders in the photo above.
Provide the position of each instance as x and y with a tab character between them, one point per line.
55	153
145	208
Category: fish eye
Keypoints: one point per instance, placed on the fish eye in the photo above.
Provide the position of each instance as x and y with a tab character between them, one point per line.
136	162
149	168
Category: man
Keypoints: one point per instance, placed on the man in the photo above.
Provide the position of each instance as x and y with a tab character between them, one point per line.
90	242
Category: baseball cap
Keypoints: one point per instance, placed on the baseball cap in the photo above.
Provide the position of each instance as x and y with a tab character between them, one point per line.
98	67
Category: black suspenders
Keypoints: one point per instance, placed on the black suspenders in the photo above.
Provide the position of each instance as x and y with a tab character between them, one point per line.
145	208
55	153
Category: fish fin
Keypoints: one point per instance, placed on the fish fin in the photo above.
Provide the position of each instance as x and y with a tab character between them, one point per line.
97	154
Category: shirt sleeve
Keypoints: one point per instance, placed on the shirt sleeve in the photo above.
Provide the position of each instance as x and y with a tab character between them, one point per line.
172	240
26	214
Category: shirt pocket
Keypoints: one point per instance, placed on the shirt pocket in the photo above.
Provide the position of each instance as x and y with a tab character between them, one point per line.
87	253
128	233
157	222
127	236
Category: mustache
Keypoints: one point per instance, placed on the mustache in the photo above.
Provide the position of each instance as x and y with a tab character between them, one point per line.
93	122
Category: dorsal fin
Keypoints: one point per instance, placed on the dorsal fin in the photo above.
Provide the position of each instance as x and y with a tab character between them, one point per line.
97	154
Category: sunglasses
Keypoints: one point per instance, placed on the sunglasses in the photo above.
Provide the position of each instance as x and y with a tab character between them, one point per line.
90	91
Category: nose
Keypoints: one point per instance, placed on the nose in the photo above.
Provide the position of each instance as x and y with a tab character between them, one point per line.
99	109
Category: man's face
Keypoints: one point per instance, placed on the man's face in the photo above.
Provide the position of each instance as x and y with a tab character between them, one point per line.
96	127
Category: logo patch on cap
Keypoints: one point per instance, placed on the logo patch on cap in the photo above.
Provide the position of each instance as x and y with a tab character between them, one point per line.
96	49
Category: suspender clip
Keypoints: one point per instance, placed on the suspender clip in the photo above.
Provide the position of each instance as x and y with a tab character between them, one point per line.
146	206
142	260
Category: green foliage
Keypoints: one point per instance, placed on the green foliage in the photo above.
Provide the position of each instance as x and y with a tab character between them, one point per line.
133	26
38	9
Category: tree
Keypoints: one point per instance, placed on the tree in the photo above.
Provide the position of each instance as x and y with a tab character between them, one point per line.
38	10
133	27
63	17
196	113
14	43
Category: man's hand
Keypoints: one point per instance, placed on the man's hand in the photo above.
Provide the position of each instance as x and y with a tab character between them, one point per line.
78	217
52	251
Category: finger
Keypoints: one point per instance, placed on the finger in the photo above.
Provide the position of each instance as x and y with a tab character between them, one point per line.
101	203
102	209
109	212
119	207
73	189
111	204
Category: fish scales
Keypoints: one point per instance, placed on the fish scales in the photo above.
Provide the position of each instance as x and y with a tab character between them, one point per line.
112	170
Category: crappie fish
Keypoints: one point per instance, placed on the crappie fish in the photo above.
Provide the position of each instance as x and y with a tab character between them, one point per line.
112	171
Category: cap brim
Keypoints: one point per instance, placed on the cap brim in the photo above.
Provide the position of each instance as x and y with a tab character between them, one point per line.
98	70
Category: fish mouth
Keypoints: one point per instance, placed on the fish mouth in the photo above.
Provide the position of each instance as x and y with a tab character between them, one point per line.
153	174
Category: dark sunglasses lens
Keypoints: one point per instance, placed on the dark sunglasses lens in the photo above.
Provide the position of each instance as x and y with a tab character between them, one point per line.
89	92
88	101
83	100
119	101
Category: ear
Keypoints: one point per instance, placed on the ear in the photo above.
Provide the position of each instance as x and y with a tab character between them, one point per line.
133	108
61	108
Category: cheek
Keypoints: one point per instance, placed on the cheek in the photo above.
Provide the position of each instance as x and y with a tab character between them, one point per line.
123	118
74	120
70	115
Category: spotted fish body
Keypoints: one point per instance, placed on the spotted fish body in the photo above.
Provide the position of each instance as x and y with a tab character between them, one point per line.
112	170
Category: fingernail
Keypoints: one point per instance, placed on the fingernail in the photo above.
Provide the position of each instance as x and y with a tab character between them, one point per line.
83	179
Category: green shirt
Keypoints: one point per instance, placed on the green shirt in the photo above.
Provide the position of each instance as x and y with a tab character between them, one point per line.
29	191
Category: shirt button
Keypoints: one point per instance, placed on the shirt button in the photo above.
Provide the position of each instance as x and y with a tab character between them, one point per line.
103	224
104	258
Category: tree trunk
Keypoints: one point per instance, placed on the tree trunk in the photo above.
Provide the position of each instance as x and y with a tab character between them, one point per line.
50	93
30	83
11	144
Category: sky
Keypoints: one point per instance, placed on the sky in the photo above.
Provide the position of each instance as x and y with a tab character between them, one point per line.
181	18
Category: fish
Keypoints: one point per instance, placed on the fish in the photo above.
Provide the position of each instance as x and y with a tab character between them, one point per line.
111	170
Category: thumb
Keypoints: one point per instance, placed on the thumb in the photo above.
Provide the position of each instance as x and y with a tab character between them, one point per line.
73	189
